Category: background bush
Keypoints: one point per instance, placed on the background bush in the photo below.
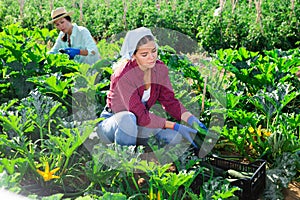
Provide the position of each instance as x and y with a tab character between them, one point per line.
255	25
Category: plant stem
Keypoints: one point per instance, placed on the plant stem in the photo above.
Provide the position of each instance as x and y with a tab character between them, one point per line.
204	93
150	190
134	182
65	165
41	136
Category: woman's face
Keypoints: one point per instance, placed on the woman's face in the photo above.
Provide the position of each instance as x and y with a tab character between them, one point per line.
146	55
63	25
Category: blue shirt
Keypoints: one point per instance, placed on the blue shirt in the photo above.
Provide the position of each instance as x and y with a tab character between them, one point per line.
80	38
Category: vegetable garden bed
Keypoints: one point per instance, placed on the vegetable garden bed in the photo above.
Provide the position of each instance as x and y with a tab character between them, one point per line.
256	94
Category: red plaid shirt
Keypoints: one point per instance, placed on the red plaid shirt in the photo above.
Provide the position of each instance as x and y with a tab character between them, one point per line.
127	88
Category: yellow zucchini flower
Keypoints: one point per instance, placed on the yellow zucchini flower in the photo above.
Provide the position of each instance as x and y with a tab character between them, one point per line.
260	131
266	132
48	175
251	129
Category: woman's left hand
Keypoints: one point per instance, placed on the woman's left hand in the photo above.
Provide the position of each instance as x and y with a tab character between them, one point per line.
72	52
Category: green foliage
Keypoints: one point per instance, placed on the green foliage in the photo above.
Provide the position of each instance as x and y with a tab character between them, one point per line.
185	77
218	189
55	86
24	55
109	49
238	25
263	90
49	104
10	181
112	168
266	71
113	196
280	175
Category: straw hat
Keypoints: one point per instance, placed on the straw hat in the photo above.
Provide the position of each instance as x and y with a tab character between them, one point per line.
59	13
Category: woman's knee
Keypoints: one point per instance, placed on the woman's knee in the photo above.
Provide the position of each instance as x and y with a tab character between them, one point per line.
126	121
106	131
127	131
117	127
125	116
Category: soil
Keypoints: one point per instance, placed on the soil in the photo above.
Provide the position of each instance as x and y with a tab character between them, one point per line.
292	192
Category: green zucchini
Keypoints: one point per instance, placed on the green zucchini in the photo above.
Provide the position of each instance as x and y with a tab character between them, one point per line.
237	174
231	179
201	131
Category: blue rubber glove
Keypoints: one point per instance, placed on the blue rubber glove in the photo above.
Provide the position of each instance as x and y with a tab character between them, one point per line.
72	52
192	119
185	132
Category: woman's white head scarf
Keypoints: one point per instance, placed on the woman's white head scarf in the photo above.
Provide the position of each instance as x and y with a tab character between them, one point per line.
131	40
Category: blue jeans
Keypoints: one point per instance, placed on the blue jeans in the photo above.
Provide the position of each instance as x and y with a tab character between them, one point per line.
121	128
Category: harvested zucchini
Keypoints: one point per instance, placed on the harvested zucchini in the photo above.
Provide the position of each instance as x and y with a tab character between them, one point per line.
237	174
231	179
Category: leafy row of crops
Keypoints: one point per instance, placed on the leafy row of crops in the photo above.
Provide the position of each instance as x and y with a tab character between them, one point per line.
255	25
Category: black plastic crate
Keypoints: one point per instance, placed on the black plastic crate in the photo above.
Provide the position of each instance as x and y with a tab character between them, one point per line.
250	188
